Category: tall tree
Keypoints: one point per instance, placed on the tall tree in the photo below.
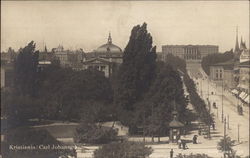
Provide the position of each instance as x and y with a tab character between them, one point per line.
26	70
137	70
165	93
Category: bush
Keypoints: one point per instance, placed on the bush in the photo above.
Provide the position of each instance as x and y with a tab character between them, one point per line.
93	134
124	149
193	156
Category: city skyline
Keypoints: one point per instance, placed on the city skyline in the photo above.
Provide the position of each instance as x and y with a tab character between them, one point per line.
74	25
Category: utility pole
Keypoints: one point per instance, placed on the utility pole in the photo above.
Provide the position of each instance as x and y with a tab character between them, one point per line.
224	144
238	132
144	126
222	112
208	88
201	87
227	121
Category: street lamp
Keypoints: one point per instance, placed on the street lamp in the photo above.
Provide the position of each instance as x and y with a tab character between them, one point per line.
222	112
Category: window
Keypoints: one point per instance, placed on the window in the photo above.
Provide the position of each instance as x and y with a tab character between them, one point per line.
102	68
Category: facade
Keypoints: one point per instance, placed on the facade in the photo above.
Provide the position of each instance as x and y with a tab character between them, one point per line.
224	73
7	74
104	58
190	53
245	55
244	77
99	64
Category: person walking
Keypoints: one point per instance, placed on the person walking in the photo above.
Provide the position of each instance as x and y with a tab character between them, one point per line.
195	139
179	143
213	125
183	144
171	153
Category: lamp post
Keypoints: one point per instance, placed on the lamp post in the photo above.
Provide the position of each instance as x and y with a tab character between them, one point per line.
201	87
222	112
224	143
238	132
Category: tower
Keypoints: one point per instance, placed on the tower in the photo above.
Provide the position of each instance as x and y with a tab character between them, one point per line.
242	45
109	39
237	48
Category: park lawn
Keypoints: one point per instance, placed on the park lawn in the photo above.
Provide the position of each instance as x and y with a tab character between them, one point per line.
63	130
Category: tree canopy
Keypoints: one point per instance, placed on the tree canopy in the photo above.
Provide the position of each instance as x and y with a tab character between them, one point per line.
216	58
137	71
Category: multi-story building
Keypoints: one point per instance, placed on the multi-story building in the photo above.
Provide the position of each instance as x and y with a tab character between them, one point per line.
244	76
104	58
192	53
223	73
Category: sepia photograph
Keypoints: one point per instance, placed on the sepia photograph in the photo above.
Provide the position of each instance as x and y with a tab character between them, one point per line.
125	79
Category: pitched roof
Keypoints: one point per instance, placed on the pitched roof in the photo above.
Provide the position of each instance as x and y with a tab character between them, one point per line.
176	124
96	59
245	63
228	65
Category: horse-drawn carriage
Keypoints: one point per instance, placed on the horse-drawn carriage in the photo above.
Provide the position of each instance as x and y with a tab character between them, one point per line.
240	110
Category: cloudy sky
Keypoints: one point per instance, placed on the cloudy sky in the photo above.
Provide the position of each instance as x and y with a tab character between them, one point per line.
86	24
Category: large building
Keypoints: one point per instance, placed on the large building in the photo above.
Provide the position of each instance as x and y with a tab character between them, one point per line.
192	53
224	73
244	76
105	58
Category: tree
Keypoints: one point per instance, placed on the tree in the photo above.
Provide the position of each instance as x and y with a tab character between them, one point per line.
124	149
26	70
137	71
74	93
165	93
216	58
89	132
226	145
176	62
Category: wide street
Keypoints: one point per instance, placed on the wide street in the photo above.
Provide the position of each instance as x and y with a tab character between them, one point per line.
237	126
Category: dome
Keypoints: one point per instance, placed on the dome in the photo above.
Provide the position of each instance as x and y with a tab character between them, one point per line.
108	47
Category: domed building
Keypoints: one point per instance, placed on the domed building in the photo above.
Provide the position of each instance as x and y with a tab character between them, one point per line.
104	58
109	47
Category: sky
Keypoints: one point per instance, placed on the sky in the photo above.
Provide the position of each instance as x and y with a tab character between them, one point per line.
86	24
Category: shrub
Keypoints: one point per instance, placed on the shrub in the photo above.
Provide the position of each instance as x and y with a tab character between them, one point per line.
124	149
193	156
93	134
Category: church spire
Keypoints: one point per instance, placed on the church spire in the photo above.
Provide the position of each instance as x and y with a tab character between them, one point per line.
109	39
237	49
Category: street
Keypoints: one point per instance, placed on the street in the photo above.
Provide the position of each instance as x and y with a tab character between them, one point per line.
237	125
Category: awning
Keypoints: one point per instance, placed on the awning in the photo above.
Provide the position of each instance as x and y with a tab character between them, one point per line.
242	94
234	91
247	99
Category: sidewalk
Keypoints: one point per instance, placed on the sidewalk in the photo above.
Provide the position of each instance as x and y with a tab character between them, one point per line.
229	111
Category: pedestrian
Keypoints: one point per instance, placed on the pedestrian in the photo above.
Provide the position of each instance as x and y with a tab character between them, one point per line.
171	153
183	145
179	143
213	125
199	131
195	139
